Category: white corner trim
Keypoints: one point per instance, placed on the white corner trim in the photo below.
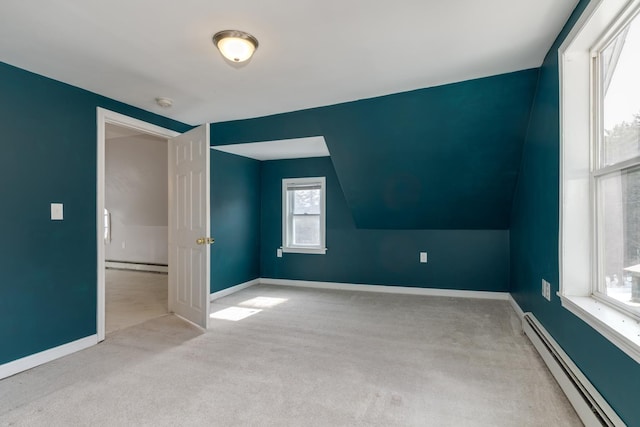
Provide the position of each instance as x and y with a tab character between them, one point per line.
28	362
620	329
388	289
233	289
516	307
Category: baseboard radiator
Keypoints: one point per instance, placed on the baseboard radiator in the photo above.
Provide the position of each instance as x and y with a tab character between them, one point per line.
591	407
127	265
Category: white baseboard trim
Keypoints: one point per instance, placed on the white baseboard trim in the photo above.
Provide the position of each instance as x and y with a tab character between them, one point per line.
233	289
516	307
388	289
137	267
28	362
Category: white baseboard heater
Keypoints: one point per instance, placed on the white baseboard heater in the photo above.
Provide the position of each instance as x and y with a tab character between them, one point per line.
126	265
591	407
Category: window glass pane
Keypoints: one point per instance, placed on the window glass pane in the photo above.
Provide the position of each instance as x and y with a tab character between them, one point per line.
306	202
621	89
306	230
619	231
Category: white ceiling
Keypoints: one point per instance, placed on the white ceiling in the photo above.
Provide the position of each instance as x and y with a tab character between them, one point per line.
311	52
295	148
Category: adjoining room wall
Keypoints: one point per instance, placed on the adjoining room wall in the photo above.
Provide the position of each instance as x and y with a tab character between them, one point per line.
534	249
49	268
136	195
235	220
457	259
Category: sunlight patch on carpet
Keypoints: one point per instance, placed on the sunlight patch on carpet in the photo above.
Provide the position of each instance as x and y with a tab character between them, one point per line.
234	313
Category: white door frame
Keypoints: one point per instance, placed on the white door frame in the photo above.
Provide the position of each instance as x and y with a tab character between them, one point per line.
105	116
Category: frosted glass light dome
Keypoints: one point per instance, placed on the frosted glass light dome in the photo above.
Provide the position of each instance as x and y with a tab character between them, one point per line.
236	46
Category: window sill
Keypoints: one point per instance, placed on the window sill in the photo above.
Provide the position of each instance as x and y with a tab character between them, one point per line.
621	329
317	251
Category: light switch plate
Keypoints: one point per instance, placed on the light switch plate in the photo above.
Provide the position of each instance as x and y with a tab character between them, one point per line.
423	257
57	212
546	290
279	252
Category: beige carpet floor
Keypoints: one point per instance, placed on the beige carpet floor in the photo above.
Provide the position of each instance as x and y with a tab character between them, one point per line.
133	297
302	357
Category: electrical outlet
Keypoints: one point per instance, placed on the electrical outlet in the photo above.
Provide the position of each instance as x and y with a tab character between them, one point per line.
57	211
546	290
423	257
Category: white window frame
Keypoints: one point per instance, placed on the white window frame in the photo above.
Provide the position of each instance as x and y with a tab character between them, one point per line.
579	123
286	229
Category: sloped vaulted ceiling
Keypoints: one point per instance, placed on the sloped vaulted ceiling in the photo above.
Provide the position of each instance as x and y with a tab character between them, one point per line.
445	157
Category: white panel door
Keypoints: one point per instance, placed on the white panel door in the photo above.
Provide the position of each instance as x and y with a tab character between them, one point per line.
189	225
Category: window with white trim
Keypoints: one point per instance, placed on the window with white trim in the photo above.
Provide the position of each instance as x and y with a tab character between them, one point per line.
599	64
616	171
303	215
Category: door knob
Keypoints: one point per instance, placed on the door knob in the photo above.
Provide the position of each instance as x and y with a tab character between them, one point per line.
205	240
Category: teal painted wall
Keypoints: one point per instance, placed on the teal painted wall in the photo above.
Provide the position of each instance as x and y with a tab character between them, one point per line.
458	259
48	268
534	249
445	157
235	220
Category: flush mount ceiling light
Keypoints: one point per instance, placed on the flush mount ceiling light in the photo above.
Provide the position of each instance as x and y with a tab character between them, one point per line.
236	46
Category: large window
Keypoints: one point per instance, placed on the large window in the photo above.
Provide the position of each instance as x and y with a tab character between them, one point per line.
600	171
616	171
303	215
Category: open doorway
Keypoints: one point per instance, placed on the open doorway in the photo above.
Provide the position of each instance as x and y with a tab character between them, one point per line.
135	227
132	216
